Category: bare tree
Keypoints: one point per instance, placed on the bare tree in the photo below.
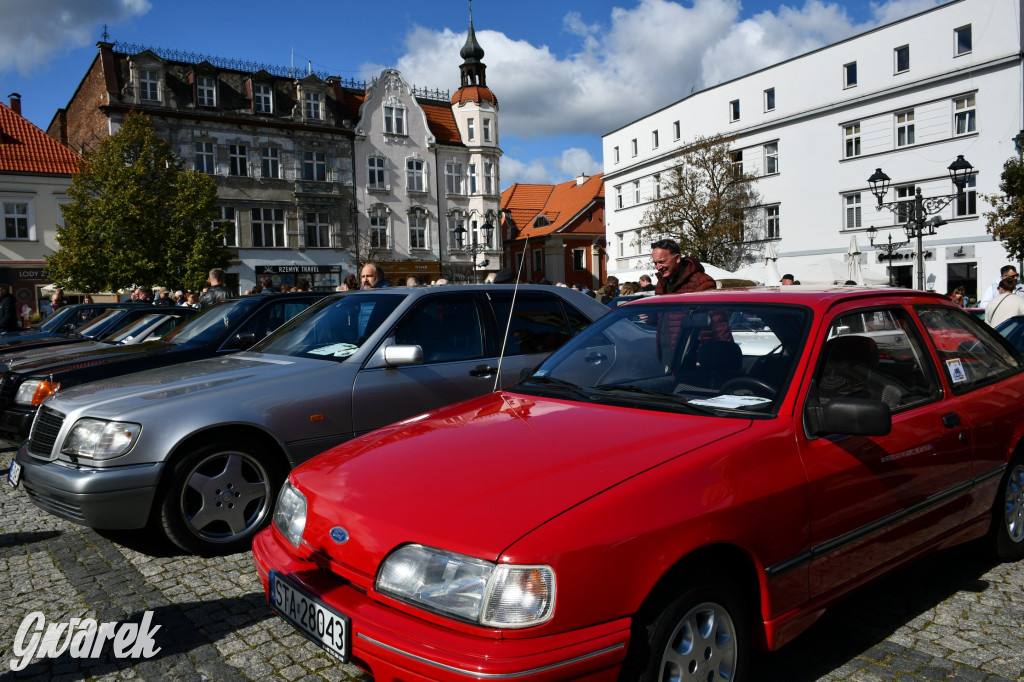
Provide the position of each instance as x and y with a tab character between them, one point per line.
708	204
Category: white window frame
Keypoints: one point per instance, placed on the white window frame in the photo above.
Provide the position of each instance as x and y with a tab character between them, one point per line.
418	231
470	128
376	173
314	166
394	119
455	221
618	196
851	140
579	260
850	75
967	205
471	178
734	111
896	52
262	98
380	228
904	194
270	163
238	160
538	260
228	214
453	183
636	192
904	121
654	139
415	175
206	91
490	178
657	185
736	159
769	99
615	154
18	214
268	222
964	115
771	158
149	85
772	221
318	226
852	211
487	128
312	105
959	33
634	148
206	159
677	130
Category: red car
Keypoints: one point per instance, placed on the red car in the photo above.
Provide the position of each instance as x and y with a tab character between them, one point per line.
675	486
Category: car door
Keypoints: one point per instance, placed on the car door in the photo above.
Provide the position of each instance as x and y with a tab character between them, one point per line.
873	499
448	326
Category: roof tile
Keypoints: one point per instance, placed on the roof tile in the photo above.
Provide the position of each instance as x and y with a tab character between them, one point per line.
558	203
24	148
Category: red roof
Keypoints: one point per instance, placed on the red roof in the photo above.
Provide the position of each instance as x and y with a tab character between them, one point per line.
24	148
474	93
559	204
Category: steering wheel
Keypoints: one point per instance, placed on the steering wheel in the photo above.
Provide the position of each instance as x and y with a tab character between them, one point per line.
749	386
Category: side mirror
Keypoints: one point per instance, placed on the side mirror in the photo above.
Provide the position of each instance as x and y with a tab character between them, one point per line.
849	416
402	355
244	340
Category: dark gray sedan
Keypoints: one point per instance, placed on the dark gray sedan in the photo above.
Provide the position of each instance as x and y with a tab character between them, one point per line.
200	449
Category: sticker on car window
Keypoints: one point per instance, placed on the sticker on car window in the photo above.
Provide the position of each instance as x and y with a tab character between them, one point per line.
956	370
338	350
731	402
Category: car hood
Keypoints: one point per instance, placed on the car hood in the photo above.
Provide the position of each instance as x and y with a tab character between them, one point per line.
126	394
16	358
43	363
474	477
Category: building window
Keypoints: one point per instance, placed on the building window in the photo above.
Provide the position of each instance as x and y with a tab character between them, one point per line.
487	129
852	205
314	166
734	110
579	259
905	128
413	175
615	155
618	196
379	231
657	186
676	130
149	85
963	116
472	178
654	139
229	224
312	105
967	205
772	222
769	99
262	99
634	148
904	195
471	128
394	120
453	177
490	179
318	230
204	157
455	221
16	220
238	163
376	176
901	57
851	140
417	231
538	260
270	163
206	91
736	158
771	158
849	75
636	192
268	227
962	40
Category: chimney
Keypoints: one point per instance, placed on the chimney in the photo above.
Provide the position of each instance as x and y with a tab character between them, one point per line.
15	103
582	179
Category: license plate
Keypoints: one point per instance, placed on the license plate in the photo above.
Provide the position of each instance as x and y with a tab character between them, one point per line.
311	617
14	475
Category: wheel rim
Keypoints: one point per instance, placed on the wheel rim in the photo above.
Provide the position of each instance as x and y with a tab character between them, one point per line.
1015	504
225	496
702	646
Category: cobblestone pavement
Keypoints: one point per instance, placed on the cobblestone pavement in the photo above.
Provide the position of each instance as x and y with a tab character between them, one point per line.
952	616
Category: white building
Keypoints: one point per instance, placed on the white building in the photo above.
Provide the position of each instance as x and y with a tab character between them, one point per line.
908	97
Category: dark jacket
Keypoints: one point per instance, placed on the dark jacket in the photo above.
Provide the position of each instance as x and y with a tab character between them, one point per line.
214	295
689	277
8	313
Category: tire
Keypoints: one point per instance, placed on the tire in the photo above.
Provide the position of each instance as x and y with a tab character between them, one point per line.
702	634
219	496
1008	513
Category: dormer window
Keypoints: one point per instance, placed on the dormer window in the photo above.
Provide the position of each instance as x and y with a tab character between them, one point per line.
262	99
206	91
312	105
149	85
394	119
541	221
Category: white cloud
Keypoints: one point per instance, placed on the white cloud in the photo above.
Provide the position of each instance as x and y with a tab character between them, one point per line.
549	170
27	44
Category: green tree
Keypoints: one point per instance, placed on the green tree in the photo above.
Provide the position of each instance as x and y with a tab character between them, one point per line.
137	218
707	204
1006	221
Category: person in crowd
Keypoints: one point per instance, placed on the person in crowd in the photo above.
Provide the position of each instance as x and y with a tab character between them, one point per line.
959	296
629	288
609	291
678	274
87	299
372	277
561	284
303	285
351	283
178	298
284	288
645	283
217	290
440	282
787	279
192	299
412	281
266	286
1006	303
56	300
163	298
8	310
993	289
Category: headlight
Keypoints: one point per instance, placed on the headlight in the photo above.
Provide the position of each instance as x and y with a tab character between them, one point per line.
290	513
495	595
100	439
33	391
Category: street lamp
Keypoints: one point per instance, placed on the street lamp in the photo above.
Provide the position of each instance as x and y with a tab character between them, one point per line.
889	249
918	209
474	249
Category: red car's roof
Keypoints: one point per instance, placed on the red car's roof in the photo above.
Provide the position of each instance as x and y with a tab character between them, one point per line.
814	296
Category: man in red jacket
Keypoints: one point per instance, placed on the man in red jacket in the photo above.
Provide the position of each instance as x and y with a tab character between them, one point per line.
676	274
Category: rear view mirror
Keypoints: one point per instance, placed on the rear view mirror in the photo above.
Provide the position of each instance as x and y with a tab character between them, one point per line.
849	416
402	355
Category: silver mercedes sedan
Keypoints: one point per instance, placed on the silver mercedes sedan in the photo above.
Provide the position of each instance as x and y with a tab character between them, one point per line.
199	450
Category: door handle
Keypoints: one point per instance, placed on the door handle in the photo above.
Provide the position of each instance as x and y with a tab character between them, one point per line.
483	371
951	420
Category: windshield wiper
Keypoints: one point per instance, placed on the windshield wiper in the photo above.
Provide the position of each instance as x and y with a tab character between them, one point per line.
652	396
559	383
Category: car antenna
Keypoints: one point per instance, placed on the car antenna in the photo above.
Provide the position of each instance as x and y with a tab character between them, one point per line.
508	324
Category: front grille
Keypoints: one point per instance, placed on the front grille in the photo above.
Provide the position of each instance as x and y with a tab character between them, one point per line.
44	432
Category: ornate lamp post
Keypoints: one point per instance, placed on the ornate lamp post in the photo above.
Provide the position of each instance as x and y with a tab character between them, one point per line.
918	209
889	248
474	249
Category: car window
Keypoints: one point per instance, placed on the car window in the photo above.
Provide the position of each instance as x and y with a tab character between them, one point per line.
272	316
214	323
333	330
83	316
1013	330
972	353
99	321
876	355
447	328
536	323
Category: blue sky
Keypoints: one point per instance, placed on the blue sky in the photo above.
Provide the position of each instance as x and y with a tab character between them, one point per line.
565	71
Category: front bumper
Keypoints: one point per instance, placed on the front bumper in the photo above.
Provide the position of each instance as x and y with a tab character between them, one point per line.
16	422
112	497
393	645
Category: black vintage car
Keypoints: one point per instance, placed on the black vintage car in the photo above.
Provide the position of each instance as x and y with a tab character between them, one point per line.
63	323
227	327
